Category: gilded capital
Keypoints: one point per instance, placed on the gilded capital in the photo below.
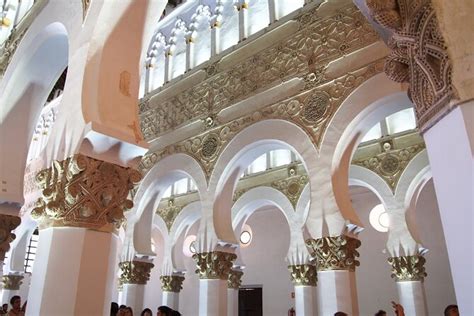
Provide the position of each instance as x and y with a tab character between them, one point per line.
408	268
7	224
135	272
235	279
171	283
303	274
12	282
214	265
84	192
335	253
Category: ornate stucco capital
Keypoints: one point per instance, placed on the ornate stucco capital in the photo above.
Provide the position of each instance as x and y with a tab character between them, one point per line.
172	283
303	274
214	265
408	268
335	253
419	55
235	279
84	192
12	282
7	224
135	272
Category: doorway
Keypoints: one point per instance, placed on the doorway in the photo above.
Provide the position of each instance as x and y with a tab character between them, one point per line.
250	301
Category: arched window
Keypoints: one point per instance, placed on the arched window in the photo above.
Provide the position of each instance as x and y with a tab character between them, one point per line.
178	49
201	35
227	18
258	16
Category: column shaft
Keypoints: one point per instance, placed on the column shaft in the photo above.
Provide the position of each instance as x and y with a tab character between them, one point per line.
305	300
412	297
232	302
133	296
337	292
212	297
170	299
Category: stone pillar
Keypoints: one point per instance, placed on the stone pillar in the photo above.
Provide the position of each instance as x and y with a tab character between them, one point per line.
171	285
82	204
304	278
409	273
11	286
242	7
135	275
7	224
336	263
213	269
233	284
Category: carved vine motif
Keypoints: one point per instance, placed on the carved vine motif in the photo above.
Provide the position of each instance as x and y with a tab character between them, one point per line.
169	213
135	272
172	283
408	268
214	265
235	279
390	164
84	192
12	282
7	224
418	54
305	53
303	274
335	253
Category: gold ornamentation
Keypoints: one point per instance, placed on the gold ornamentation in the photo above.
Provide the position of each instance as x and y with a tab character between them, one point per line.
169	213
418	56
408	268
7	224
210	145
84	192
335	253
172	283
214	265
235	279
303	274
315	106
12	282
85	8
390	164
135	272
291	187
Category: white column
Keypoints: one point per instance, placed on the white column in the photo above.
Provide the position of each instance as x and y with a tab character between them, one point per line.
337	292
272	11
168	64
67	261
133	295
171	285
305	300
215	41
232	302
412	297
135	274
170	299
189	53
450	145
243	20
212	297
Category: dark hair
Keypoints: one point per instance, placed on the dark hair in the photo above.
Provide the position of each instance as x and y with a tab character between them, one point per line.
14	298
123	306
146	310
381	313
165	310
449	308
113	309
129	309
340	314
175	313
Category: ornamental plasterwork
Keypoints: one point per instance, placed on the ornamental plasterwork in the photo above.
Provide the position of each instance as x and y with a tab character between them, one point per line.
135	272
172	283
12	282
408	268
311	110
418	56
335	253
214	265
391	163
84	192
303	54
7	224
169	213
303	274
235	279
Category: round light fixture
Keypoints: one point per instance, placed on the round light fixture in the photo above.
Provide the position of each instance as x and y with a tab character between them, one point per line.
379	218
245	237
189	245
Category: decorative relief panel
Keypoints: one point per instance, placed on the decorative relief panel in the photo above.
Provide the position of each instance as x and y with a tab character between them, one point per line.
169	213
7	224
84	192
418	56
12	282
408	268
172	283
135	272
303	274
304	54
214	265
335	253
235	279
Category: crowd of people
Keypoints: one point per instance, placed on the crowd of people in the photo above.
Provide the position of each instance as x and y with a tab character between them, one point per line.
450	310
16	308
122	310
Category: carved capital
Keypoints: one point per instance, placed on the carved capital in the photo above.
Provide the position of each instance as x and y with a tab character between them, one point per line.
12	282
84	192
303	274
408	268
171	283
235	279
418	56
135	272
7	224
214	265
335	253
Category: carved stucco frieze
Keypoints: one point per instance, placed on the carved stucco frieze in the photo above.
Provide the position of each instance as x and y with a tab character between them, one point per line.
235	279
7	224
391	163
12	282
135	272
214	265
304	54
172	283
418	56
84	192
408	268
303	274
169	213
335	253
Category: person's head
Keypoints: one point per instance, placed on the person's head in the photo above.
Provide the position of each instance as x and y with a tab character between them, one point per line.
128	311
381	313
5	307
113	309
164	311
146	312
175	313
340	314
15	302
121	310
451	310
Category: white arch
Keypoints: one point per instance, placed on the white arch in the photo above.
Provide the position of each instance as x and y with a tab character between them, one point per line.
367	178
